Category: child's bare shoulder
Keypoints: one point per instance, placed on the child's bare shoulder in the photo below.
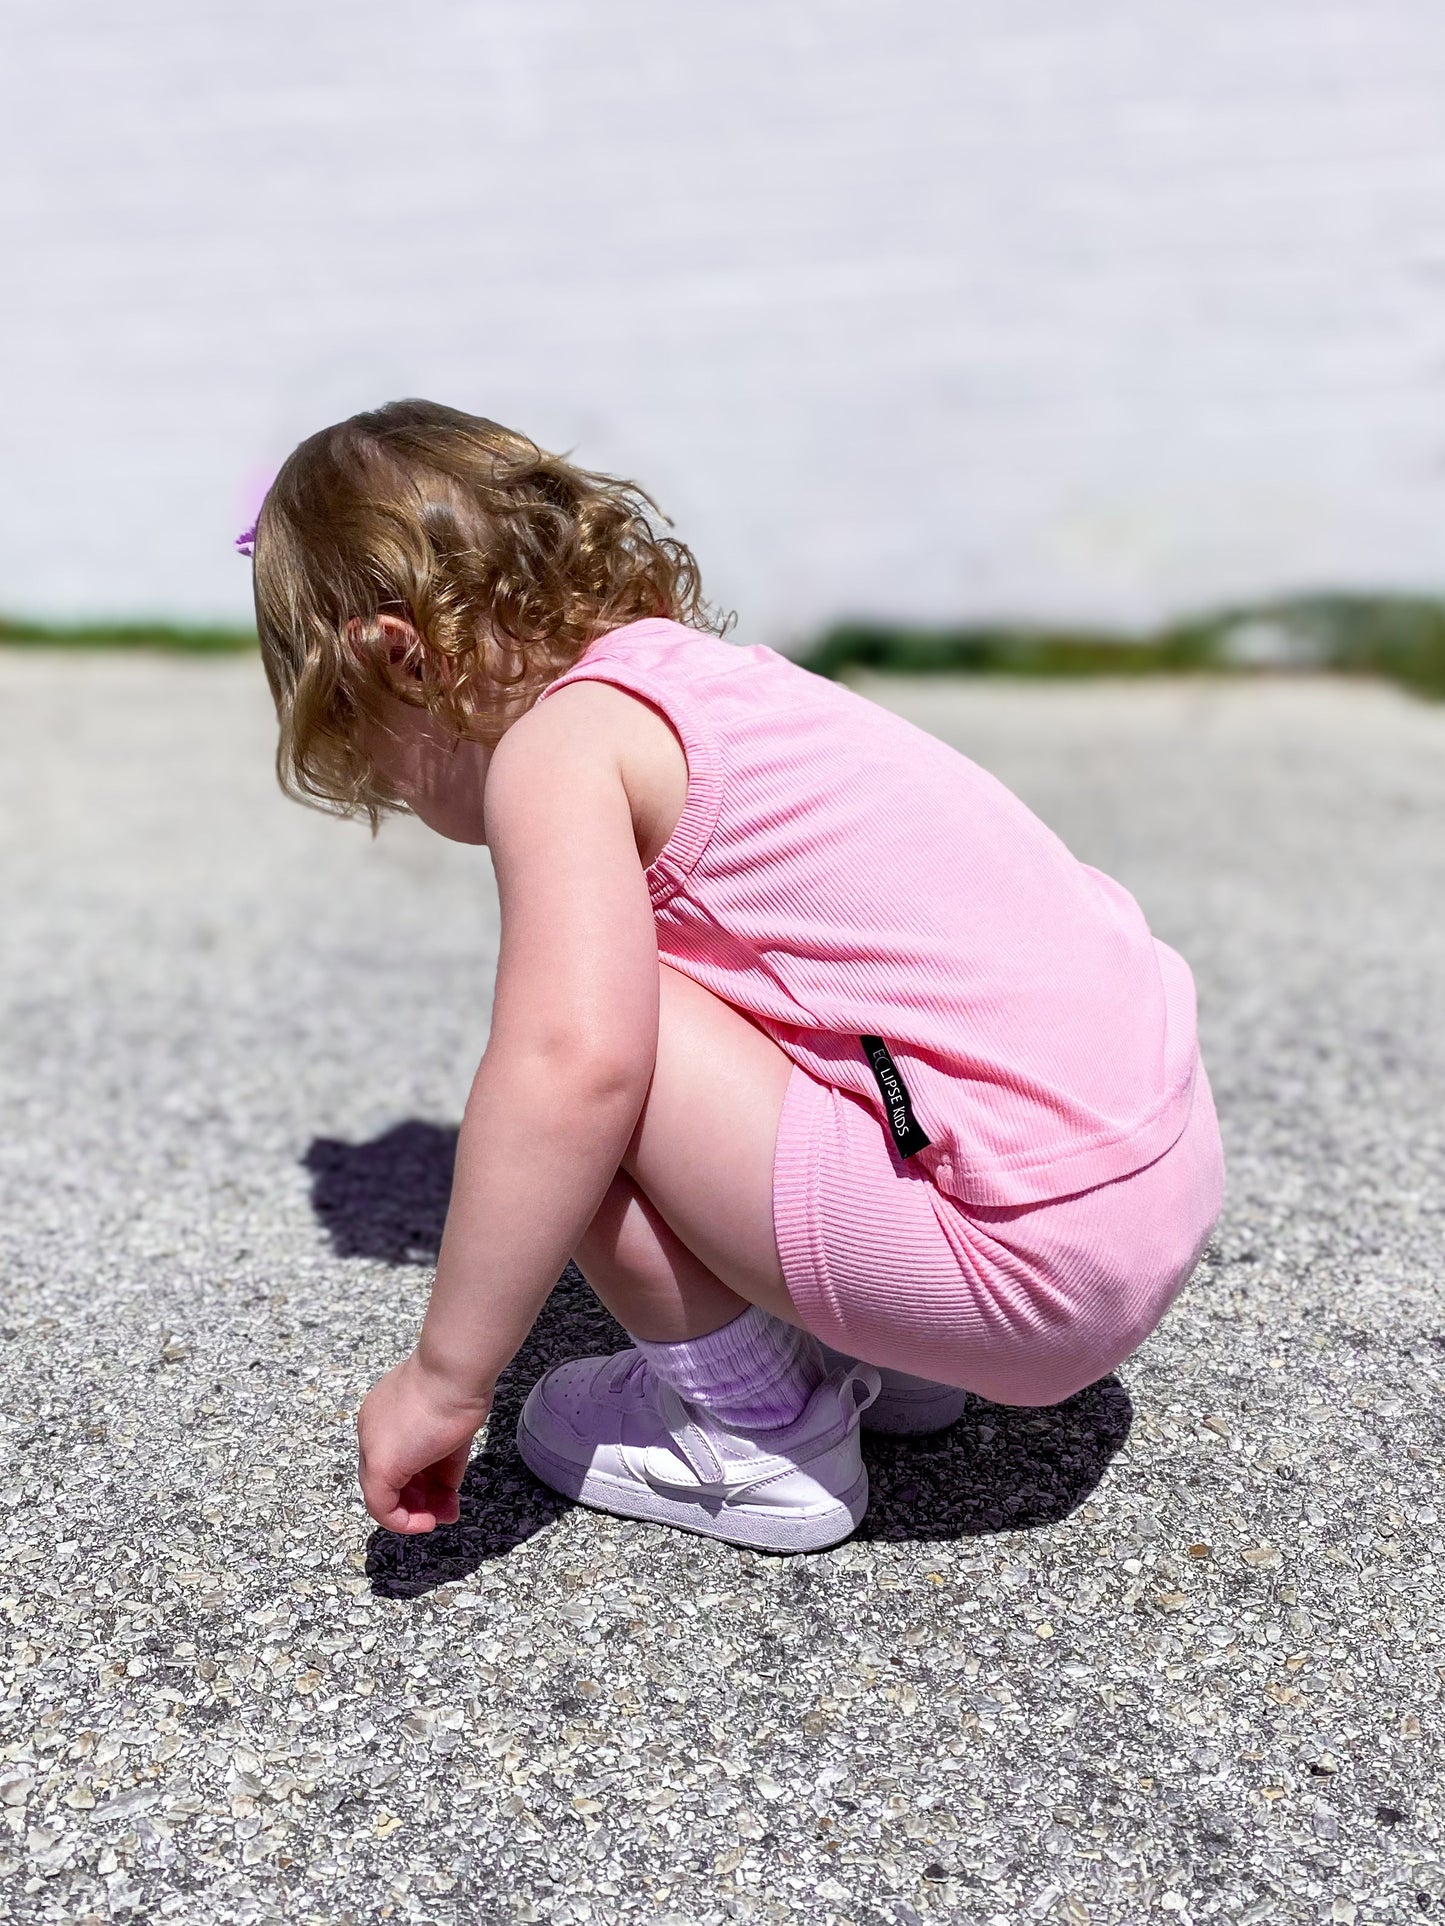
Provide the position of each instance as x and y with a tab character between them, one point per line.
595	726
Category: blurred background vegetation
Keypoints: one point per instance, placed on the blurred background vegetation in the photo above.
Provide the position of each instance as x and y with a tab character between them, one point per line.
1398	636
1401	637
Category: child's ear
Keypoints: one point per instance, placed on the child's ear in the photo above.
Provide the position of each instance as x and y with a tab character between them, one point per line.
392	643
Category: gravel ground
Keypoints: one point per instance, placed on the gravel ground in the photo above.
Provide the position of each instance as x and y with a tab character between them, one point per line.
1170	1650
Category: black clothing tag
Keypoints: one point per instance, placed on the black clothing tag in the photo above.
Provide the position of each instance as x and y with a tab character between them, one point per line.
907	1133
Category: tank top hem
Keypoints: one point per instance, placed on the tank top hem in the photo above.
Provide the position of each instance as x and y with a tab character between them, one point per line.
1011	1182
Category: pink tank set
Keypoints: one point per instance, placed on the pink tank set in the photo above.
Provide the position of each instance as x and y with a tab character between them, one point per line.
998	1160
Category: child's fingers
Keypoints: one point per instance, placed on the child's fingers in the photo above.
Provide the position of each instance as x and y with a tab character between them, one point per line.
414	1512
438	1501
445	1503
437	1488
391	1494
410	1513
419	1502
450	1471
382	1498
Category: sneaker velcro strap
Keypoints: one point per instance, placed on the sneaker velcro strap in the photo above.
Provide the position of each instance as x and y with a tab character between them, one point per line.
691	1442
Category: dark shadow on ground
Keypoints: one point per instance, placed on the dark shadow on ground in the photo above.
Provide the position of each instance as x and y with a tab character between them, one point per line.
1000	1468
386	1198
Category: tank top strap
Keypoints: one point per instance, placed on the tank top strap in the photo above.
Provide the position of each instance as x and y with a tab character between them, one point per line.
646	659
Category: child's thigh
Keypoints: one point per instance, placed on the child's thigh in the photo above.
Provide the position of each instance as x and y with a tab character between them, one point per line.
703	1148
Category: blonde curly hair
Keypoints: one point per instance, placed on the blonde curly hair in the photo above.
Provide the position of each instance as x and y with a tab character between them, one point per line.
506	560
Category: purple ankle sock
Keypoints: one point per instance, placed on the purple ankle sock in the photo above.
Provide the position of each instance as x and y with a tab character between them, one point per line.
754	1374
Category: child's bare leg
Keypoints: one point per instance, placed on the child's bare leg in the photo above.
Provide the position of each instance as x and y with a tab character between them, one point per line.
683	1241
763	1448
646	1276
682	1249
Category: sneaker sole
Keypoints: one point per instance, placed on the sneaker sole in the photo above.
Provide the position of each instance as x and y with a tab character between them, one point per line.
757	1529
899	1414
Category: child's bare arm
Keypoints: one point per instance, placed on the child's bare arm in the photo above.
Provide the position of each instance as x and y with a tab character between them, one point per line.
555	1098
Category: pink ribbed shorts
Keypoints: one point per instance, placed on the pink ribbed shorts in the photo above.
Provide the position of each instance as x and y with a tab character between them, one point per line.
1023	1305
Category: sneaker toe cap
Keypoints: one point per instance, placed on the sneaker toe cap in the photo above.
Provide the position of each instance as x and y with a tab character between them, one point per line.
565	1405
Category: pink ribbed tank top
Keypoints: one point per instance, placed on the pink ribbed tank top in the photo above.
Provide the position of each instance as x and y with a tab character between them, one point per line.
905	928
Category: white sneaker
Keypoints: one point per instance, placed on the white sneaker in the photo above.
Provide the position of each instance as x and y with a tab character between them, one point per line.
905	1407
609	1432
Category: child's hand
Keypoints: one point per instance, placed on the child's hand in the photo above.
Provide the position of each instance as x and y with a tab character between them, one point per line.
415	1435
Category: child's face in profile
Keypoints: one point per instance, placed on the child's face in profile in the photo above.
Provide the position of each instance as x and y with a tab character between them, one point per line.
440	779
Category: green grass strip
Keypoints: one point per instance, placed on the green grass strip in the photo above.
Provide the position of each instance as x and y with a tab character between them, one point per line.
172	637
1401	637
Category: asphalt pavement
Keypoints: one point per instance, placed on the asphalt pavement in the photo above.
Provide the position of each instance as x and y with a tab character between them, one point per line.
1173	1650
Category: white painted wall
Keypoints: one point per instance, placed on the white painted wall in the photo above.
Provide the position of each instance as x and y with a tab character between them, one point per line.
935	308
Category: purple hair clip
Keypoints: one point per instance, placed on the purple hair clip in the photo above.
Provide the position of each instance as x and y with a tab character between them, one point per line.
246	541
